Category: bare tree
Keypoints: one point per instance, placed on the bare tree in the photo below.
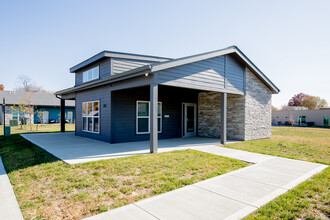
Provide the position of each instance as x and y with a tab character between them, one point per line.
25	84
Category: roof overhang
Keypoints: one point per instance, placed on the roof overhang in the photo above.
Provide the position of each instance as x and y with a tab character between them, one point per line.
107	54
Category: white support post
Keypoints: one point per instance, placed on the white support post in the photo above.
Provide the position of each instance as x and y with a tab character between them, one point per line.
223	118
153	118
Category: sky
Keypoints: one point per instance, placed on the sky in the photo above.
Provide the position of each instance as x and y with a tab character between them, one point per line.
288	40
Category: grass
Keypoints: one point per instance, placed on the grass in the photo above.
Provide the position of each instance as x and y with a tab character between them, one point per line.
47	188
41	128
311	199
308	144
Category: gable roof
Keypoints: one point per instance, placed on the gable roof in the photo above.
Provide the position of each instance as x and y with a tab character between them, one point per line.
170	63
106	54
203	56
38	99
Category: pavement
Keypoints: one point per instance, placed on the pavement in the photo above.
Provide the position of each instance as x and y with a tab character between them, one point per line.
230	196
75	149
9	208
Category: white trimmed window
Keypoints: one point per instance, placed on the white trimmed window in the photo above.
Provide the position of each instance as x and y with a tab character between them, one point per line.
91	74
143	117
90	114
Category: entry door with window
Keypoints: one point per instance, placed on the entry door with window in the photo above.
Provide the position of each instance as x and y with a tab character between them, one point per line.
189	119
70	116
45	117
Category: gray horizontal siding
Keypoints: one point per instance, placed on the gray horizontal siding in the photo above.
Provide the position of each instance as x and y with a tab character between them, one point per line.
104	68
103	95
234	74
206	75
123	65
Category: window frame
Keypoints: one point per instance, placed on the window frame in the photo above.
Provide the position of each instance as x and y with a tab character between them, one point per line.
148	117
86	72
92	117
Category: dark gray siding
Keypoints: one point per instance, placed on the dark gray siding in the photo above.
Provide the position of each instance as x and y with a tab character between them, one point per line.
104	68
103	95
124	112
215	74
122	65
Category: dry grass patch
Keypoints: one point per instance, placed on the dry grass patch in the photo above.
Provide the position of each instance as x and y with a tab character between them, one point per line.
48	188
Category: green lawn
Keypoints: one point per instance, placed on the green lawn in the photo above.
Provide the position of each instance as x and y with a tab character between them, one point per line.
47	188
311	199
38	128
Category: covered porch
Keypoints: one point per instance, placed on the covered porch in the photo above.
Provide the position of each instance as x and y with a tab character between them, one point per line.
170	112
74	149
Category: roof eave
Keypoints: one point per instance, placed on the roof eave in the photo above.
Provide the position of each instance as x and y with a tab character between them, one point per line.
128	74
112	54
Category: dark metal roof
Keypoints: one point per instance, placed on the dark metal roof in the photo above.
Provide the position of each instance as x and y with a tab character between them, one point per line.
37	99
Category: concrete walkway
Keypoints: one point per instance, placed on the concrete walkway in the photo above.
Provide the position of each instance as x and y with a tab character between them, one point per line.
230	196
9	208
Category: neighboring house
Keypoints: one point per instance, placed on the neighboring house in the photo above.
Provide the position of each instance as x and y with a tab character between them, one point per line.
301	116
123	97
45	107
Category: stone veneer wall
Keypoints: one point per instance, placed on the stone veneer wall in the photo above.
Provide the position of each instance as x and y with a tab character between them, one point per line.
209	118
258	108
248	117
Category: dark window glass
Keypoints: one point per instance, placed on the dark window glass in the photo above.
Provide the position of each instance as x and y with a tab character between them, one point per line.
143	125
159	124
84	123
143	109
96	125
90	124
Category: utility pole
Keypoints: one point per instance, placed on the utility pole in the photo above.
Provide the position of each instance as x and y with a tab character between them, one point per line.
4	115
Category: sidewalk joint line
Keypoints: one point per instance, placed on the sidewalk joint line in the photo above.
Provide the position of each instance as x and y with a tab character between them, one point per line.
226	196
146	211
258	181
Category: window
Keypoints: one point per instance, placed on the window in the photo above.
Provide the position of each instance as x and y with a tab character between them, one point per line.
91	74
90	113
15	115
326	121
143	117
301	119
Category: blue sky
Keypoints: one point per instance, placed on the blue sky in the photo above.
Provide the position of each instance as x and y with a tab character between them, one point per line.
288	40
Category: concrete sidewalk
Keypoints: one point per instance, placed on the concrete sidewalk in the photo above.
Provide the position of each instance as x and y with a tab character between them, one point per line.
9	208
230	196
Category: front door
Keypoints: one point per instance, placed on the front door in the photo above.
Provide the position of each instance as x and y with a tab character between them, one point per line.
189	119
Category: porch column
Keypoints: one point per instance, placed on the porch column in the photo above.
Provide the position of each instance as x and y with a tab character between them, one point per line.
223	118
153	118
62	115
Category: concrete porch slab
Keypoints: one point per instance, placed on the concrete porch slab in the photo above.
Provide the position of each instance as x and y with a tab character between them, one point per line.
75	149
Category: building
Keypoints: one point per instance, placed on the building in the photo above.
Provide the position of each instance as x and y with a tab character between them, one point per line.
301	116
45	108
122	97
